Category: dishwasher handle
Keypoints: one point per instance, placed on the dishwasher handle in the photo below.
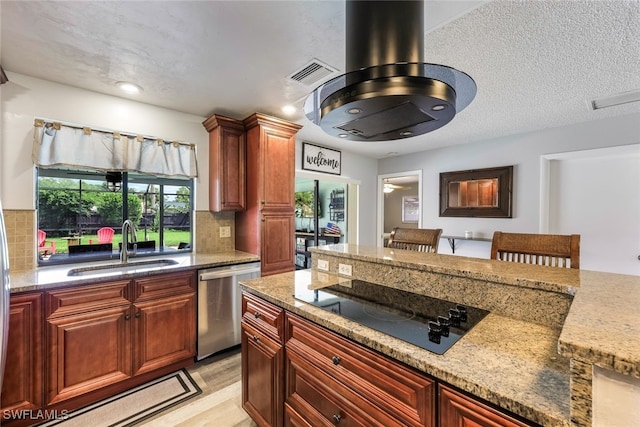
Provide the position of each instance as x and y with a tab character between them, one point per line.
228	272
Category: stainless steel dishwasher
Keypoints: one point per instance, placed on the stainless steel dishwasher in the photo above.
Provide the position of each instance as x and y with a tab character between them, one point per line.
220	306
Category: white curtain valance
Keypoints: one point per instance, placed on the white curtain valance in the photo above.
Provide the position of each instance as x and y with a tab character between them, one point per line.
55	144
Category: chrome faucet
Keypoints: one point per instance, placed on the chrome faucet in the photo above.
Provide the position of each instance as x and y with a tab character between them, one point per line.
128	230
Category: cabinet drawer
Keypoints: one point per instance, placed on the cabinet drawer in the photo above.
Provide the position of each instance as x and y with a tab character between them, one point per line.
322	400
165	285
456	409
268	318
82	299
399	391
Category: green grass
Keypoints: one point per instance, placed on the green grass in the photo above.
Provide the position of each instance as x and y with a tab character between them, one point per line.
171	238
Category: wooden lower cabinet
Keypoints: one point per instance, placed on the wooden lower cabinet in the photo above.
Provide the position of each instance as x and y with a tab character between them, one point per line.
347	383
458	409
262	388
103	335
297	373
262	361
87	351
22	384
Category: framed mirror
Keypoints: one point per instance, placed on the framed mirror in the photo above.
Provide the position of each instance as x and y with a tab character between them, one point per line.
484	193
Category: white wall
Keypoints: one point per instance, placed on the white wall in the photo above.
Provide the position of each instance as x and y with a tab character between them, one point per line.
24	98
523	151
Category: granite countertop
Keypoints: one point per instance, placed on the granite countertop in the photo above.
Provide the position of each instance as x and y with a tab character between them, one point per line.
561	280
602	326
56	276
533	379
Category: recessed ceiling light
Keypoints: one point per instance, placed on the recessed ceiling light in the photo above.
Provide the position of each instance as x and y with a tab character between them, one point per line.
406	133
354	111
617	99
343	135
438	107
289	109
130	88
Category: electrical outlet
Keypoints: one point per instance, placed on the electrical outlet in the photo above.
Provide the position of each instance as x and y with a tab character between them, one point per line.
225	231
344	269
323	265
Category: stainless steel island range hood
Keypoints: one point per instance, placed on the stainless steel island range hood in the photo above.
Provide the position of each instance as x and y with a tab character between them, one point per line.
388	91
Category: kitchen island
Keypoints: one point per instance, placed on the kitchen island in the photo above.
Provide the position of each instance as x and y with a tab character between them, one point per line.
510	359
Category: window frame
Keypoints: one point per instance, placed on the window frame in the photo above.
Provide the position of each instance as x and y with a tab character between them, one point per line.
128	179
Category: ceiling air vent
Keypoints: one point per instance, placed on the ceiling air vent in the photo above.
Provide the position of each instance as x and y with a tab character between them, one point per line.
312	73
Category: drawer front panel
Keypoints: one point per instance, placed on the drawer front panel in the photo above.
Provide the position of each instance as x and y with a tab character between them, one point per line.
266	317
63	302
456	409
322	400
165	285
401	392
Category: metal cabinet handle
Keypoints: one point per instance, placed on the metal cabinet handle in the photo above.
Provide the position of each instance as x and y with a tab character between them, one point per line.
256	315
256	338
336	360
127	316
137	315
336	418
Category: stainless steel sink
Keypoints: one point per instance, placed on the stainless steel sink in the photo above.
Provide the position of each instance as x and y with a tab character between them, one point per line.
121	268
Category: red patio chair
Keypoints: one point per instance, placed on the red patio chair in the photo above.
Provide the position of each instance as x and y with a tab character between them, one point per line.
42	243
105	235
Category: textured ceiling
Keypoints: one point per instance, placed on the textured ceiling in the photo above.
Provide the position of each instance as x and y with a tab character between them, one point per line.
537	64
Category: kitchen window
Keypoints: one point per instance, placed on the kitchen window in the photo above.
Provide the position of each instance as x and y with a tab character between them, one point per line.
80	215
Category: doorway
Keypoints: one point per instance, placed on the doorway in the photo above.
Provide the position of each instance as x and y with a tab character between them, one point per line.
321	215
595	193
399	203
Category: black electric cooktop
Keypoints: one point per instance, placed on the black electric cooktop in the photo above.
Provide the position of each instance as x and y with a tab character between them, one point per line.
430	323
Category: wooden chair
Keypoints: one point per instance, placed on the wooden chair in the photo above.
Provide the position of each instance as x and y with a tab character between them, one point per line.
415	239
553	250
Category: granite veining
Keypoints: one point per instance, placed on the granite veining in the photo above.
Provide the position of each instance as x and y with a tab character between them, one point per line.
539	305
581	391
44	278
508	362
603	326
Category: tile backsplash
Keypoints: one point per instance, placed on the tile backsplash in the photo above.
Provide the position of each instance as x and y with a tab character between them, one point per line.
207	233
21	238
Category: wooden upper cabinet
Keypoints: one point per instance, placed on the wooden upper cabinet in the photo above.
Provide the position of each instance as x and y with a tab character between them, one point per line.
227	164
268	220
271	147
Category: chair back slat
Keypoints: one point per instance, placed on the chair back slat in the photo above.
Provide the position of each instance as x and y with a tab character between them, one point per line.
415	239
553	250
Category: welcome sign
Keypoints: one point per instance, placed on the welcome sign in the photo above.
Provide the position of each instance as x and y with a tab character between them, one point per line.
321	159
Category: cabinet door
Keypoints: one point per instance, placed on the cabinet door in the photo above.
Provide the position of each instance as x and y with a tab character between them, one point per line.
277	243
271	149
87	351
22	385
164	332
278	168
227	163
262	377
456	409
